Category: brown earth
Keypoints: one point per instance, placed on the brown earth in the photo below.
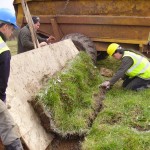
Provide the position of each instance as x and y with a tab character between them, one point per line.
106	72
1	145
61	144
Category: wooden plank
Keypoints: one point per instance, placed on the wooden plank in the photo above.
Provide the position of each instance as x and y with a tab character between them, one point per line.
136	28
56	30
129	41
108	32
92	7
102	46
103	31
30	23
101	20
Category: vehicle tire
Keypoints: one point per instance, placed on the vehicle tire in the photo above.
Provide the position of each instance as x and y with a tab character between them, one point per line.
83	43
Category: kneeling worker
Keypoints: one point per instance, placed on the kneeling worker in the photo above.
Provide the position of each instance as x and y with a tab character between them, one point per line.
25	40
8	132
134	69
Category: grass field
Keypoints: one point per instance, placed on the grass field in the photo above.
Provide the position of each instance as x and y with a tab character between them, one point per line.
124	122
13	46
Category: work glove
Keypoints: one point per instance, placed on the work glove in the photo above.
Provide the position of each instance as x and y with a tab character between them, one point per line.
105	84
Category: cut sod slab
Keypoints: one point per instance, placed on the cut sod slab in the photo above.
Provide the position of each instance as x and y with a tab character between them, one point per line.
71	99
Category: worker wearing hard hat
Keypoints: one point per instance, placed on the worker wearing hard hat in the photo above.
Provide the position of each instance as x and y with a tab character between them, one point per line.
25	40
8	133
134	69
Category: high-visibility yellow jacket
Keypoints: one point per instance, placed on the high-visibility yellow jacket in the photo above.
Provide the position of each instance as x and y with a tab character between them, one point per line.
140	67
3	46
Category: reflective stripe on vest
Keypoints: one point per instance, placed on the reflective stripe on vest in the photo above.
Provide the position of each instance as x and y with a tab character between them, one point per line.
3	46
140	67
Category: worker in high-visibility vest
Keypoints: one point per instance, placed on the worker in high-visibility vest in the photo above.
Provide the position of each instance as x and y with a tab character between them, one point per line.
134	69
8	128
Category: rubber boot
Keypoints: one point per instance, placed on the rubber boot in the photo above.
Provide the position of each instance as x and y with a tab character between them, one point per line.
16	145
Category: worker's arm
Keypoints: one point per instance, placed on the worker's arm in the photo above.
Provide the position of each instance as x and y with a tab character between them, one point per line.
127	62
40	39
48	40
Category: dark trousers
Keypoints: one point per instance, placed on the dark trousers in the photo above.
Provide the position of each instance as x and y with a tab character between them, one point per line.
4	73
135	83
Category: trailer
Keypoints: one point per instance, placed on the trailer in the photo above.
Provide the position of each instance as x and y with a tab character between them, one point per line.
101	21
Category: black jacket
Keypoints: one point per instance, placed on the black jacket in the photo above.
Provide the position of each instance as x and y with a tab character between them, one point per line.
4	70
25	40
